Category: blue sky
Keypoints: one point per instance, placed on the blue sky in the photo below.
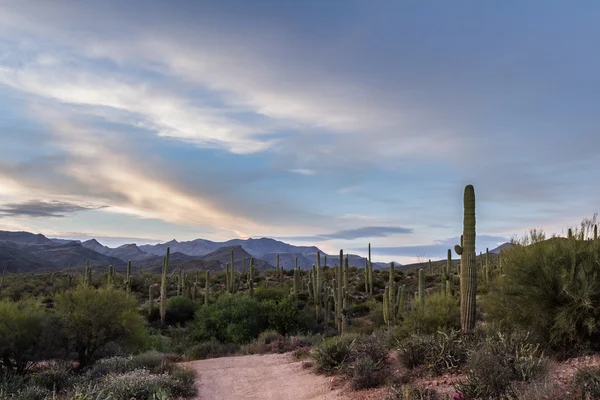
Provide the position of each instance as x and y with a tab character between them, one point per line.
333	123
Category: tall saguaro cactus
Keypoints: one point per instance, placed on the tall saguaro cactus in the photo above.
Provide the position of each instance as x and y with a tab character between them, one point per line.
163	287
468	265
128	277
207	288
421	289
370	273
340	291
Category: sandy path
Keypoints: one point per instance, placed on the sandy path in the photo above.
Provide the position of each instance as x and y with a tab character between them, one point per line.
264	377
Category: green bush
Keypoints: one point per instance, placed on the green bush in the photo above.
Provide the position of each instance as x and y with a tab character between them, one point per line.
440	352
586	383
332	354
180	309
24	334
441	313
270	293
410	392
212	349
232	319
550	287
92	318
488	377
141	384
366	373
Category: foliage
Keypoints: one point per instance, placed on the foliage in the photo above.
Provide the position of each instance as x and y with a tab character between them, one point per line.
92	318
232	319
211	349
551	287
23	339
441	313
332	354
440	352
489	376
180	310
141	384
410	392
588	381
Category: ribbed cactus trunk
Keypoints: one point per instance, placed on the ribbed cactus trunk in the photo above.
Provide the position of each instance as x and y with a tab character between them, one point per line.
279	271
468	270
392	294
111	276
386	305
296	281
340	292
128	277
401	302
207	288
163	287
370	273
87	281
251	277
421	290
318	288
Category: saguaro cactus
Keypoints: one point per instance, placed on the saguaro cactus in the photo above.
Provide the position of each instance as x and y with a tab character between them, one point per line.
392	285
468	270
163	287
207	288
251	277
87	281
421	290
340	291
128	277
370	273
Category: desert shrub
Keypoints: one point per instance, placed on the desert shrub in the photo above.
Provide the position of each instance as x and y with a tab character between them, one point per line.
213	349
53	379
367	373
152	361
525	358
284	317
488	377
140	384
412	351
410	392
91	318
369	355
587	380
440	352
441	313
30	392
180	309
23	338
550	288
332	354
234	319
270	293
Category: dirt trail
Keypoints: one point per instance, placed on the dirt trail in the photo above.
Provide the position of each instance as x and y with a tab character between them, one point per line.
264	377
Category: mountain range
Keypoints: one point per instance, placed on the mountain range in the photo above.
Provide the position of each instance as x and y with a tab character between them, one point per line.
28	252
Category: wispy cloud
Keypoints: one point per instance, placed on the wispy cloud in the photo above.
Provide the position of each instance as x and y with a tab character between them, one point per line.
43	209
302	171
358	233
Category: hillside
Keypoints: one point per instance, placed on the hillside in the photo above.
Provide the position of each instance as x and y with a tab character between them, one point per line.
241	258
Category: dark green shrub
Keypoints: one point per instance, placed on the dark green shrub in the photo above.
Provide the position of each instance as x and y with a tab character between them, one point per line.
23	338
52	379
91	318
587	383
488	377
413	351
441	313
213	349
550	287
332	354
271	293
366	373
180	309
440	352
233	319
410	392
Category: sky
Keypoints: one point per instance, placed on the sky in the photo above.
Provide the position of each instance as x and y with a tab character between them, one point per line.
329	123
